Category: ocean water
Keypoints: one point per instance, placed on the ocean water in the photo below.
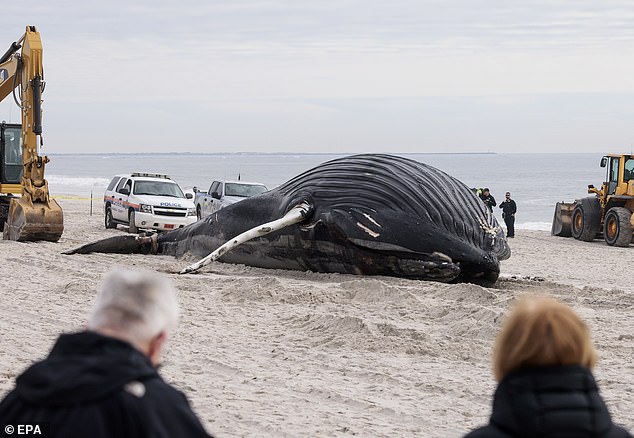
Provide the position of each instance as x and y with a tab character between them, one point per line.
536	181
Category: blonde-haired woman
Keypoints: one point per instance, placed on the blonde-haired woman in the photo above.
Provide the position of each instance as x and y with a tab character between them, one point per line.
542	359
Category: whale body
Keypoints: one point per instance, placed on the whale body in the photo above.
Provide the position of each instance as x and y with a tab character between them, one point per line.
370	214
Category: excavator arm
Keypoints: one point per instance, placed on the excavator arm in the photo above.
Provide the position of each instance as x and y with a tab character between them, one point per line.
8	67
34	215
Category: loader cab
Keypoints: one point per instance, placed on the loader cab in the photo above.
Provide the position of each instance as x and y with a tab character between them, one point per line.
10	153
612	178
620	174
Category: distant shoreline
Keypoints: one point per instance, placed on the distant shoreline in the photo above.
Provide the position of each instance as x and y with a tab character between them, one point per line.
92	154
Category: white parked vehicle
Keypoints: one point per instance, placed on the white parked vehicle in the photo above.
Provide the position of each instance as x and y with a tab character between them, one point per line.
223	193
147	201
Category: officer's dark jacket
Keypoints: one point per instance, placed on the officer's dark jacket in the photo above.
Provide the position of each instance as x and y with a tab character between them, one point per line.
560	401
97	386
508	207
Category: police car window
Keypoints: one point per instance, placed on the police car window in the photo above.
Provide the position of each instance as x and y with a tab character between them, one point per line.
214	187
113	183
158	188
121	184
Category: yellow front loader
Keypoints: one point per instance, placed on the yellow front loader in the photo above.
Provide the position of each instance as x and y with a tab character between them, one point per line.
607	214
27	212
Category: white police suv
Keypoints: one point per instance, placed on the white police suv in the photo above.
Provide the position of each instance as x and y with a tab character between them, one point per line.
148	201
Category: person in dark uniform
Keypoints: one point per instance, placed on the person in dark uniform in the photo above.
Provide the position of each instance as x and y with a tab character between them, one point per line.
488	199
103	382
509	208
543	359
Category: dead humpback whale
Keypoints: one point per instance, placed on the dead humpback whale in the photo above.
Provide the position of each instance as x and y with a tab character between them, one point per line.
369	214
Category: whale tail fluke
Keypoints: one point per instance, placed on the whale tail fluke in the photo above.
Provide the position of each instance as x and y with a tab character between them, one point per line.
120	245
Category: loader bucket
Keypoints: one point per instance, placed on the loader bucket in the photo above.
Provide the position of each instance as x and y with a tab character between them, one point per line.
562	220
29	221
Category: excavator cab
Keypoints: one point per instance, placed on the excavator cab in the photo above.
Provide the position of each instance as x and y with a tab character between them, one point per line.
10	154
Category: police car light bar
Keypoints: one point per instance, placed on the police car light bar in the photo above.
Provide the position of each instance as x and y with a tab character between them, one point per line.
151	175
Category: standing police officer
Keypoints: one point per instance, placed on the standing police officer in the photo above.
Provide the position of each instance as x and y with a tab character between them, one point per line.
509	208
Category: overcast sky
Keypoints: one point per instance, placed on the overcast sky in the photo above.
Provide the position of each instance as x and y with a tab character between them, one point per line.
333	76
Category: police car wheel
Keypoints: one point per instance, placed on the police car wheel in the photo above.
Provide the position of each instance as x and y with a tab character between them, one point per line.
109	222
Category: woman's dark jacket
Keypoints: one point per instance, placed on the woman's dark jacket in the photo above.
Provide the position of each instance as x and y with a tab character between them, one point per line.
560	401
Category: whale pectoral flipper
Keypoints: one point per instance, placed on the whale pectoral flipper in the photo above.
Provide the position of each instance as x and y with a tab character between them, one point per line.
295	215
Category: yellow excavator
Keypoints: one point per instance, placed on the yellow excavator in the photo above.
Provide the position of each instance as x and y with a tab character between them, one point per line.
27	212
607	214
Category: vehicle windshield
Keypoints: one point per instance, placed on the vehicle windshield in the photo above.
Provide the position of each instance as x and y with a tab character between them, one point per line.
244	190
158	188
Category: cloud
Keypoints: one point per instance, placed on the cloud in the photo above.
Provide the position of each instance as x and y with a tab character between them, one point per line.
347	72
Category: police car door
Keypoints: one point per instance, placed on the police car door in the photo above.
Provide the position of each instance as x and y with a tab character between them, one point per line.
119	203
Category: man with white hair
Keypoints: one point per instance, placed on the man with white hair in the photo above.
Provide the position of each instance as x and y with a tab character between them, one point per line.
103	382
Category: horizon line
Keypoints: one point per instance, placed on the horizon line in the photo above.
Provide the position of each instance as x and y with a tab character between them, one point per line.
270	153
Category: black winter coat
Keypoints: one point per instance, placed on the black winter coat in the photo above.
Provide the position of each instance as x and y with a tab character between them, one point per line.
97	386
489	201
509	208
542	402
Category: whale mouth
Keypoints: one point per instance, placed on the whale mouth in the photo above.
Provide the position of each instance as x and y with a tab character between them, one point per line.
438	267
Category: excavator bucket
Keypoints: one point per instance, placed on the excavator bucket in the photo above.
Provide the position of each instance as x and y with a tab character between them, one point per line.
30	221
562	220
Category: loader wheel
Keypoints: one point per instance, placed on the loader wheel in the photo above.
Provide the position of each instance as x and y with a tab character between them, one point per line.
582	225
133	228
617	228
109	222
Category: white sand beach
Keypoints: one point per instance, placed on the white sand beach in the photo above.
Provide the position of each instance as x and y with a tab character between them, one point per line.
264	353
